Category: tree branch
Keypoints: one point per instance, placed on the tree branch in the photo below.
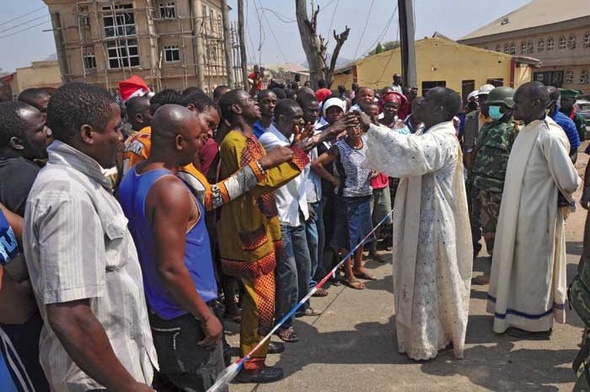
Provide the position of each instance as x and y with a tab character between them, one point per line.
340	39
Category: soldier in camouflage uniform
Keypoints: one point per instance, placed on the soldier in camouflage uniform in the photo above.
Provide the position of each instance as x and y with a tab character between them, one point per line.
490	159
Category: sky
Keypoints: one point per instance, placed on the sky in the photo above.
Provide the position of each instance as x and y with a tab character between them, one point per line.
272	35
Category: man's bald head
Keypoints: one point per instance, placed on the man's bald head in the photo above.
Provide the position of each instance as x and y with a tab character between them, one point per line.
36	97
177	135
439	105
531	100
170	121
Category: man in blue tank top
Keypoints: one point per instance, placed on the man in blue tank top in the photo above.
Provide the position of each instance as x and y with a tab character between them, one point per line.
168	226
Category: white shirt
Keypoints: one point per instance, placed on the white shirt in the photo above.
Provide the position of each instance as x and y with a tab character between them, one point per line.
397	89
291	198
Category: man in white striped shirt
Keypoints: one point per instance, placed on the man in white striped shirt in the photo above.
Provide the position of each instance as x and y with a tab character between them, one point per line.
81	258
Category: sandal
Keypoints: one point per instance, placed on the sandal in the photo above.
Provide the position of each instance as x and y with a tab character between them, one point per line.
287	335
309	312
320	293
364	275
353	284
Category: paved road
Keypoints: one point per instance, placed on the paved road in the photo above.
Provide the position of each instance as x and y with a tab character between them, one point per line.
351	347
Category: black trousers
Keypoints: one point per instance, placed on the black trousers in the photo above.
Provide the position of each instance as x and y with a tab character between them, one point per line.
182	361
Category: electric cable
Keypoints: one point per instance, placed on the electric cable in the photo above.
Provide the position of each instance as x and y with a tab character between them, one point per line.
21	16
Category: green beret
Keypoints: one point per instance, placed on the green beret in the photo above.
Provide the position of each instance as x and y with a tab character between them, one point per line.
565	93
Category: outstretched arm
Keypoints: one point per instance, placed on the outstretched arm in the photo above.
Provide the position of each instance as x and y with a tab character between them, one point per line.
407	155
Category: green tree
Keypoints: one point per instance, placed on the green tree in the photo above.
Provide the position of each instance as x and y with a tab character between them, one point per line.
389	45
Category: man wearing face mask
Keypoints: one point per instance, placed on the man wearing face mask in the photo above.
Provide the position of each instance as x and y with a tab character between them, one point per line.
471	125
567	124
490	158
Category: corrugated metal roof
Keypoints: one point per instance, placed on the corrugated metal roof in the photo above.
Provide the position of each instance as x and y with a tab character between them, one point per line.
534	14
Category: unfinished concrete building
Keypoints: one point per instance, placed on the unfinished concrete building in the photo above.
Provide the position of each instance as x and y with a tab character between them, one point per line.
170	44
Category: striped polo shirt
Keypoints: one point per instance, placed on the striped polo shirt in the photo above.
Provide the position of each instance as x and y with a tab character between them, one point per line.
77	246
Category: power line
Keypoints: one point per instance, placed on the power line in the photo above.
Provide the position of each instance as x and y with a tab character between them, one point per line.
23	23
327	5
365	28
274	36
383	32
281	17
247	28
261	37
332	21
25	29
21	16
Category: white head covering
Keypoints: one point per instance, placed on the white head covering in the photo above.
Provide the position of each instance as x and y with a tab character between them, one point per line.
333	102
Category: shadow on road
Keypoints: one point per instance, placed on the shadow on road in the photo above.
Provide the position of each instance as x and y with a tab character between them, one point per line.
574	248
501	368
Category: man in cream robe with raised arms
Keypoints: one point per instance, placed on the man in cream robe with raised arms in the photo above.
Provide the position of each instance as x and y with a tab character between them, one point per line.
432	256
528	280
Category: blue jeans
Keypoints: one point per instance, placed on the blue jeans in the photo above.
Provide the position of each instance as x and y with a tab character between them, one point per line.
315	232
292	272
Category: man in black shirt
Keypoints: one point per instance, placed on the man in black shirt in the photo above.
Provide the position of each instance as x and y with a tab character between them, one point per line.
23	140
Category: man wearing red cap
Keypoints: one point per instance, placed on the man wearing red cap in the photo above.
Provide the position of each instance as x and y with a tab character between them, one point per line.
133	87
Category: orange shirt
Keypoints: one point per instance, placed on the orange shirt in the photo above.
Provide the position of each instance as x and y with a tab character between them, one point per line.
139	146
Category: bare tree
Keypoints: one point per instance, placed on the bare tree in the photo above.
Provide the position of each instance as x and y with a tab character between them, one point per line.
315	46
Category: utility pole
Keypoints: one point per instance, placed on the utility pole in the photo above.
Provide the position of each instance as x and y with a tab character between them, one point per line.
199	36
243	58
227	44
407	41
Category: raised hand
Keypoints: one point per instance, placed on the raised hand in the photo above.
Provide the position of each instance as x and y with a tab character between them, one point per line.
275	157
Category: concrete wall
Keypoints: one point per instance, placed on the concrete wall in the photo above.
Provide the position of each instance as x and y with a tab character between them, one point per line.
39	74
437	59
344	79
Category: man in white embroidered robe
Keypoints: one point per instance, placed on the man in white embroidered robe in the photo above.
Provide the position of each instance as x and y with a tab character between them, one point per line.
433	253
528	280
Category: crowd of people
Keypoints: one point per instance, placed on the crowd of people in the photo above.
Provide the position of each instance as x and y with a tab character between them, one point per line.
133	227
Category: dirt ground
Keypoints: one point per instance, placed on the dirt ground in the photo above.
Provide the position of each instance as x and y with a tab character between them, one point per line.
352	347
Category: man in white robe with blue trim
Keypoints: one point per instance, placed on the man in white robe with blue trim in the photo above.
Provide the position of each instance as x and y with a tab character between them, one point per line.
528	280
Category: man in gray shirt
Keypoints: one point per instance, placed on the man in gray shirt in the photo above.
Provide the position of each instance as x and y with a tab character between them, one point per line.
81	258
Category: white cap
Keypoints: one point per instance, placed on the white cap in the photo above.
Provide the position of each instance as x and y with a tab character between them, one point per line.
485	89
472	95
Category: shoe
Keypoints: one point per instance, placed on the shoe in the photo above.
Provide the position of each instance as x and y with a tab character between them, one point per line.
266	375
276	347
309	312
526	335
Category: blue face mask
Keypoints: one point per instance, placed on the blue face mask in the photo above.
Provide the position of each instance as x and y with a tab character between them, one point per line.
495	112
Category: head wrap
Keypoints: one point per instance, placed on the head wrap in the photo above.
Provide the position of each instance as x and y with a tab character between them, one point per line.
393	96
333	102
